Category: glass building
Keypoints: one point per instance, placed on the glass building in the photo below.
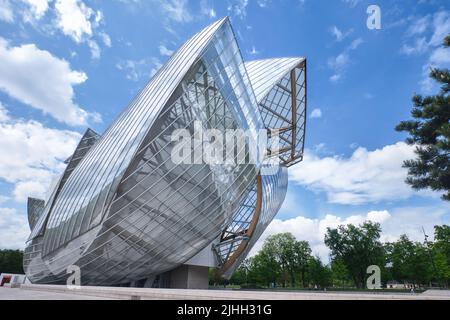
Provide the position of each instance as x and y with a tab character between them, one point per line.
126	214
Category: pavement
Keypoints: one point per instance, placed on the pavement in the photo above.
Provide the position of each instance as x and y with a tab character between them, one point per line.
52	292
20	294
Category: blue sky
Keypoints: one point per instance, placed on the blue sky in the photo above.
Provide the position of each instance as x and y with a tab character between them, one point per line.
66	65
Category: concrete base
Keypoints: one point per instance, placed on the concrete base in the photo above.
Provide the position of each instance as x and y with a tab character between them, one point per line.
189	277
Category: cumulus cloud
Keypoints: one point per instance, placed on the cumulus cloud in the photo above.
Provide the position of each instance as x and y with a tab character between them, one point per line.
365	177
35	154
36	9
76	20
73	18
38	79
6	13
14	229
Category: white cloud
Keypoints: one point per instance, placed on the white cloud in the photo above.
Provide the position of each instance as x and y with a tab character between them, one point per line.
95	49
419	46
411	220
74	19
339	63
78	21
207	9
335	77
6	13
34	154
3	113
356	43
365	177
37	9
425	35
440	56
441	27
42	81
106	39
14	229
135	70
239	8
419	26
263	3
25	189
3	199
338	34
316	113
176	10
164	51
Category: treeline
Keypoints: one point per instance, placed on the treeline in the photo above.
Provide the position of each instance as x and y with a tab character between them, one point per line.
285	262
11	261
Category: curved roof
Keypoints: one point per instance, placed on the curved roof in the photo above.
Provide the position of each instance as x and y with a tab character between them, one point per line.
264	74
280	88
92	184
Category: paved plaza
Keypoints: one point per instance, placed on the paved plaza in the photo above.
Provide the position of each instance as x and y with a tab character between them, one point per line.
51	292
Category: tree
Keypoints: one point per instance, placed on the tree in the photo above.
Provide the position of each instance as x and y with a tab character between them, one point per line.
301	258
319	274
409	261
241	275
281	248
215	278
357	247
441	253
430	133
442	239
339	272
11	261
263	269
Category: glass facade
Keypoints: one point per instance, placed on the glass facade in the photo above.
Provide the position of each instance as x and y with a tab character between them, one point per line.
123	211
